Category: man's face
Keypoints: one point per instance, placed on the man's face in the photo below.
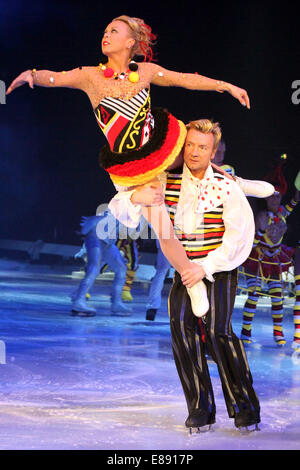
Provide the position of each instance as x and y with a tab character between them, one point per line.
220	154
198	151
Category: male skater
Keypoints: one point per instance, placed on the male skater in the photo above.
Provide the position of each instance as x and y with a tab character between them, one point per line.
215	224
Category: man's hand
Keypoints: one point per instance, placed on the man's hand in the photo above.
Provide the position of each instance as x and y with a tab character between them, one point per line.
148	195
192	275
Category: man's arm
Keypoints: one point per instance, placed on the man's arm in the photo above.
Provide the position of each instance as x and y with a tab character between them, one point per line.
126	206
238	238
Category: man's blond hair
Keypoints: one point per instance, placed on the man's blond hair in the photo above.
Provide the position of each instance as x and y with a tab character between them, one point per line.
206	127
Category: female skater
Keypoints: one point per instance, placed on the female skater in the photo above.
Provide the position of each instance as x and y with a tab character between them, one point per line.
142	143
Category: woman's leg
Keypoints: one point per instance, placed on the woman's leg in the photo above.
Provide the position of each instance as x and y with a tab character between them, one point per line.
159	219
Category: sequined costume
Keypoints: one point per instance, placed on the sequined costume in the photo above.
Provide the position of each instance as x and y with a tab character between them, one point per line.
267	262
141	143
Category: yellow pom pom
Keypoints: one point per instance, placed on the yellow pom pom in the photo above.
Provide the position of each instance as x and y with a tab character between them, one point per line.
133	77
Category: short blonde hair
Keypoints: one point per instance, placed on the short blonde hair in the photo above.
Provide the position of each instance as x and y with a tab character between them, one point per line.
142	34
206	126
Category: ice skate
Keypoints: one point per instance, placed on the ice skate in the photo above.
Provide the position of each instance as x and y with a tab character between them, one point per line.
246	430
151	313
120	310
254	188
246	339
199	300
279	338
199	421
79	305
81	309
247	421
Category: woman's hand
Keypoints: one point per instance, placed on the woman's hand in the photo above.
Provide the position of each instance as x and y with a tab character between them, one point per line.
148	195
238	93
24	77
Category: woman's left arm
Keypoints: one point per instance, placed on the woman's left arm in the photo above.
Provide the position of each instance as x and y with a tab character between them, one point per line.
163	77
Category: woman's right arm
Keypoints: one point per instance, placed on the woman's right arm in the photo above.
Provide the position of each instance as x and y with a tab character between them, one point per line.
76	78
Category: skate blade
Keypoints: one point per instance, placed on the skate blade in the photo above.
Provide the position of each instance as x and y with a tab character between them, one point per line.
246	430
201	429
121	314
76	313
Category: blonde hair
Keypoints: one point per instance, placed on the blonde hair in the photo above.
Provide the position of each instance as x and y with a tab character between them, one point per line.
206	127
142	33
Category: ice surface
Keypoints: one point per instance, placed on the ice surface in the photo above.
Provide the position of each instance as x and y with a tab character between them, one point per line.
110	383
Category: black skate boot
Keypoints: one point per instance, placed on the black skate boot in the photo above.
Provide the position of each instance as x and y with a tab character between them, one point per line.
247	421
200	421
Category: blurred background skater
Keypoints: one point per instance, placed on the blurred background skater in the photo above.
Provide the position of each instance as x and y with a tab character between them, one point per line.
99	251
157	284
219	159
296	341
293	240
269	258
129	249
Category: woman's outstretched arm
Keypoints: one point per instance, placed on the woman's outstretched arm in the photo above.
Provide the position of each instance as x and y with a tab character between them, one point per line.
193	81
75	78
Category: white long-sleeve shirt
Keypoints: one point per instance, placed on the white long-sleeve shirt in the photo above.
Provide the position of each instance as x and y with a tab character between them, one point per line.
196	197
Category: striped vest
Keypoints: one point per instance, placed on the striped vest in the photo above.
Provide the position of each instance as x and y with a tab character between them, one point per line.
208	236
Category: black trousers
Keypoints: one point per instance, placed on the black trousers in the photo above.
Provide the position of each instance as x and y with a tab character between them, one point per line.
190	336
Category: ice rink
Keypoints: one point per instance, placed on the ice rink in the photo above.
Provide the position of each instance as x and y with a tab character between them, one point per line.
110	383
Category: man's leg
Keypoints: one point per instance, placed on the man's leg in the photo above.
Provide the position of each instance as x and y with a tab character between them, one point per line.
190	360
228	352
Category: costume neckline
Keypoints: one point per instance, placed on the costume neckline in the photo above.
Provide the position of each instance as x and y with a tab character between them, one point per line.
122	99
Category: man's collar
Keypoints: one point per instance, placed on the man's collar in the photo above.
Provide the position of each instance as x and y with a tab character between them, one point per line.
208	175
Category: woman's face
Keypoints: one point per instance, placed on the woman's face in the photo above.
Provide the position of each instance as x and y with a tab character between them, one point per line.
116	38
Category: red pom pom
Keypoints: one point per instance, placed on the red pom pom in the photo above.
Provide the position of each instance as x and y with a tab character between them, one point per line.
108	72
